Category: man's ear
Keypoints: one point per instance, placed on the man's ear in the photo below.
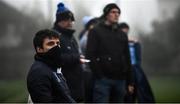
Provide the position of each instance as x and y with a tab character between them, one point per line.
39	50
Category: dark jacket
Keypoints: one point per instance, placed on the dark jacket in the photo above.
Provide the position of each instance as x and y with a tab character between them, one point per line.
143	91
71	67
107	48
46	85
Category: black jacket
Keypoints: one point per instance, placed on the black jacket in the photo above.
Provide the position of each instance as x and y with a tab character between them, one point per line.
46	85
71	67
107	48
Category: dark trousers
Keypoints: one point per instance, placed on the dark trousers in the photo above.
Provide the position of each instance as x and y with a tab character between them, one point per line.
88	85
103	87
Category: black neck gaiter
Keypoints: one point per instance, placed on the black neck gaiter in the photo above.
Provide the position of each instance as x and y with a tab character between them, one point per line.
51	58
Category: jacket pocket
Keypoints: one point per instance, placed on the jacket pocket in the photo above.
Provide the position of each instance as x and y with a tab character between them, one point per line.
111	63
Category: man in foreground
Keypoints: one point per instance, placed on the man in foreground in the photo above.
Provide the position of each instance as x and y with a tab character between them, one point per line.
45	81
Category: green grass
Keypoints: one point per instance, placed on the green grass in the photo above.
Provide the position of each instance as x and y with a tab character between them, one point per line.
166	89
13	91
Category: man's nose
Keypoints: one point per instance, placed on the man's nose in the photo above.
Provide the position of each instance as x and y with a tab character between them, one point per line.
70	23
57	44
117	14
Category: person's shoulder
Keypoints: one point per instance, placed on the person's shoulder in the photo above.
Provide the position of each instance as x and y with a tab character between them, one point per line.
97	26
39	68
123	35
98	29
121	32
38	73
133	39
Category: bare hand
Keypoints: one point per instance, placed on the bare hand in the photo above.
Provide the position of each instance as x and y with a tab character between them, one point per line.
130	89
82	56
82	60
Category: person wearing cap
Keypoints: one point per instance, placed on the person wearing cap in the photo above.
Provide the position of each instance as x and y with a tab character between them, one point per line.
71	58
84	33
89	23
45	82
142	92
107	48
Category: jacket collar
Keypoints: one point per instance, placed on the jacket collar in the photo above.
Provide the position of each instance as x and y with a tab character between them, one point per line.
67	32
113	27
39	57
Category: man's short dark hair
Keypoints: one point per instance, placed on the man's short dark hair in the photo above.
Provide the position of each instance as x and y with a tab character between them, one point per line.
124	25
41	35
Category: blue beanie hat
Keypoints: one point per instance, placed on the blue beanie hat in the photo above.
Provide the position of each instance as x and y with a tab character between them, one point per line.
61	8
63	13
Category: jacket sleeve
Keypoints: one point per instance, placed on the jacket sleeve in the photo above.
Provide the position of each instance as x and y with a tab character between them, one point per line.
63	88
70	59
127	63
92	51
39	87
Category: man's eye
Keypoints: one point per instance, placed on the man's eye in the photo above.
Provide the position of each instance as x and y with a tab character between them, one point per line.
58	43
114	12
50	43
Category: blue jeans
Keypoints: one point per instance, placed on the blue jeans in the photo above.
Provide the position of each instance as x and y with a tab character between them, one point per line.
103	87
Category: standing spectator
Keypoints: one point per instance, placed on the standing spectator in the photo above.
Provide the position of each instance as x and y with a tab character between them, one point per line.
143	92
71	58
88	78
107	48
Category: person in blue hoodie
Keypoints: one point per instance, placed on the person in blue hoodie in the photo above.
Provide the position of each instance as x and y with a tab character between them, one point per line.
143	92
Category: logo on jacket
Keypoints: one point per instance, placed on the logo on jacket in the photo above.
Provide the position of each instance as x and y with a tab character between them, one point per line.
68	47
